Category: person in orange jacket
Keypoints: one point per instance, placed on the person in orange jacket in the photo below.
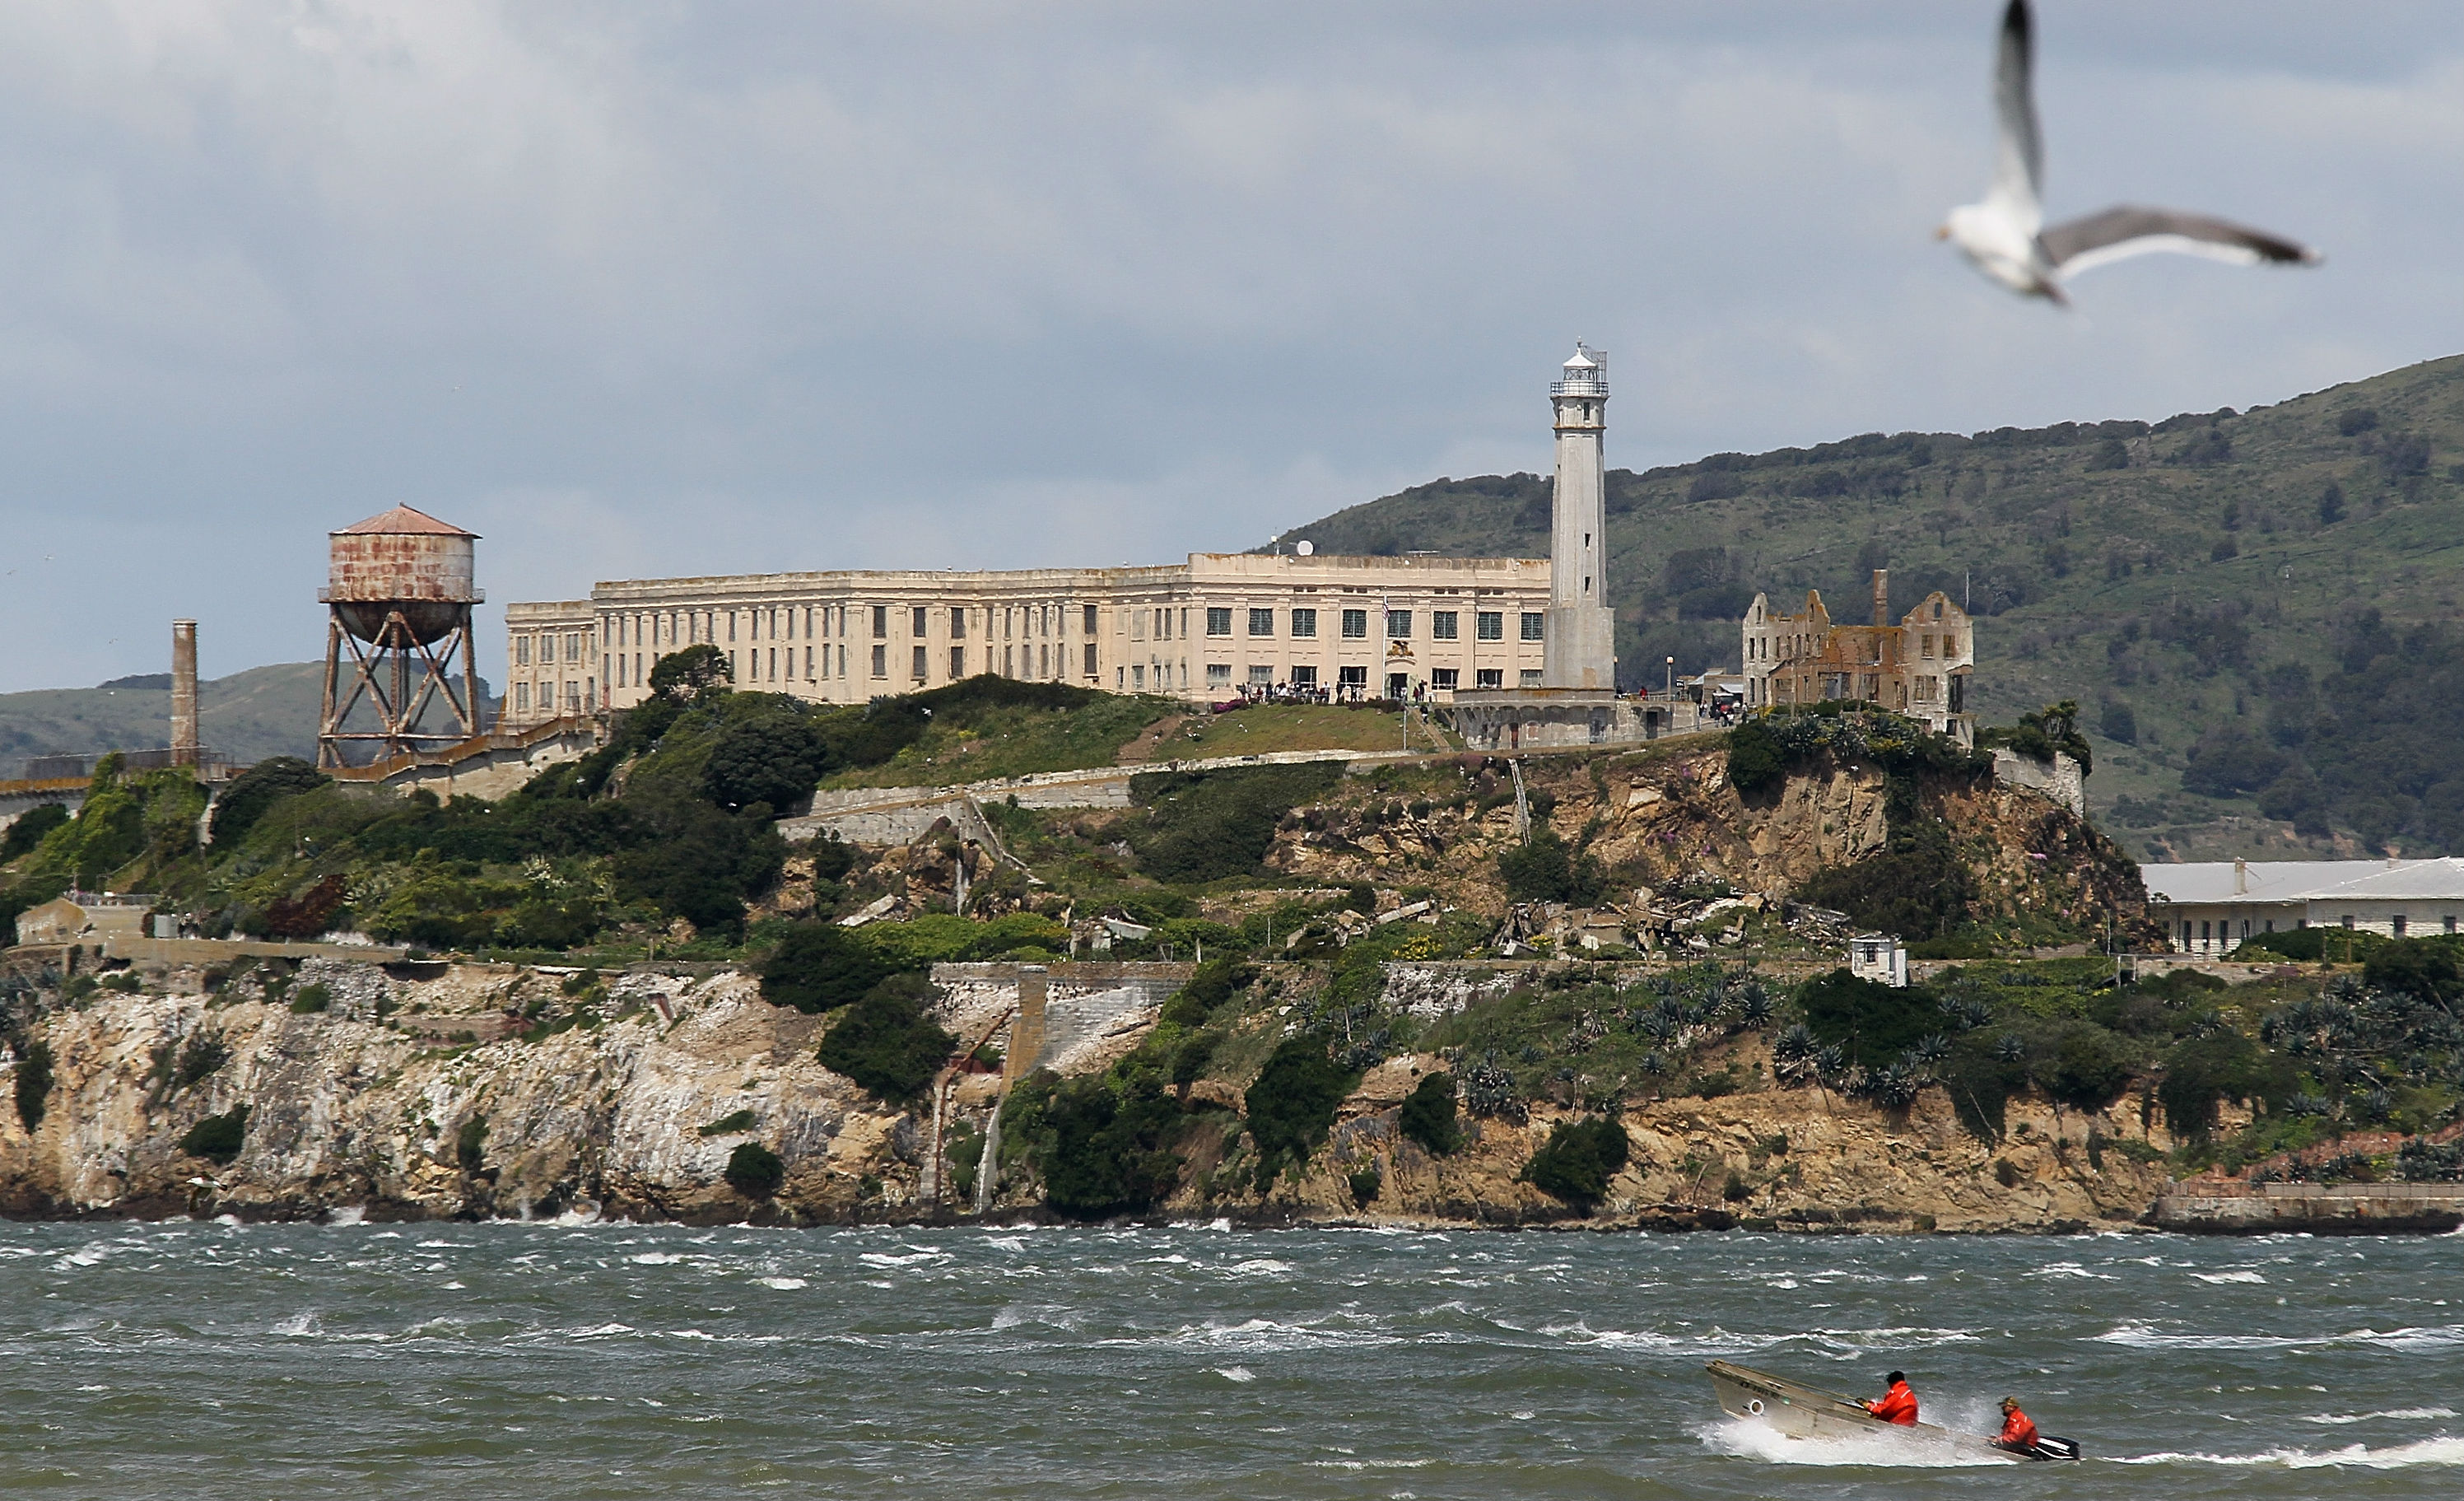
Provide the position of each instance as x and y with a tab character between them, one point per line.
1898	1404
2018	1433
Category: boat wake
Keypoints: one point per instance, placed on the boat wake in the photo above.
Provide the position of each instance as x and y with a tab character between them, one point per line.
1882	1449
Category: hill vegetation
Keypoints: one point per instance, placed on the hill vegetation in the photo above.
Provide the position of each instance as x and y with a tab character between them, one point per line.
247	716
2252	608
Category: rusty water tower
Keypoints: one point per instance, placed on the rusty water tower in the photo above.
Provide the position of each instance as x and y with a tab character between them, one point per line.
398	595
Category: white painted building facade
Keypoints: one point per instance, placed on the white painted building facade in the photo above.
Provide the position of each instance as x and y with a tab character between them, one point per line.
2208	907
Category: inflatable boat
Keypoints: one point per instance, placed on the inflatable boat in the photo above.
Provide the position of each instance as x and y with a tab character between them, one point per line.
1808	1412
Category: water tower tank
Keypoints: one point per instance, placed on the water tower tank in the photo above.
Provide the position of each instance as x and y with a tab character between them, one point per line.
404	562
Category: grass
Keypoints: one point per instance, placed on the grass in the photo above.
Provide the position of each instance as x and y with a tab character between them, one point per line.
1014	742
1268	728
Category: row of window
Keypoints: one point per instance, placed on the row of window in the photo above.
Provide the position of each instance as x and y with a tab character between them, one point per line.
2212	933
1444	625
1443	679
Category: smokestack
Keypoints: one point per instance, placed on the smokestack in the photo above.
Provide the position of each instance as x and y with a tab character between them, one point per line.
183	692
1881	596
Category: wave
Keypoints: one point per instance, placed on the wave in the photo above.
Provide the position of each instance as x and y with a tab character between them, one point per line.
1240	1375
783	1284
2391	1415
2146	1336
2228	1276
2438	1451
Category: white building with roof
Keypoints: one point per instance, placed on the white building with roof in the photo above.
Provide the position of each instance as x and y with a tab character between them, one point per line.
2208	907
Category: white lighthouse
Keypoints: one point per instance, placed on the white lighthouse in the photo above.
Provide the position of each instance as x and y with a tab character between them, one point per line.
1580	651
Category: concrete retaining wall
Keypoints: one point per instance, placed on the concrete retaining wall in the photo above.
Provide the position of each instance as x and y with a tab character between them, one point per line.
2316	1210
2062	780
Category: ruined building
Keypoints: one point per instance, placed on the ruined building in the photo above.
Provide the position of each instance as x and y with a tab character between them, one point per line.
1919	667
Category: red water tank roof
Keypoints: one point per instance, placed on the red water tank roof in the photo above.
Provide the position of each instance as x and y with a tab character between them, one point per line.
403	521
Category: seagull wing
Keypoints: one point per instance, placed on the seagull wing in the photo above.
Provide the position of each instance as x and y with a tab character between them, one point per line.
2117	234
2019	150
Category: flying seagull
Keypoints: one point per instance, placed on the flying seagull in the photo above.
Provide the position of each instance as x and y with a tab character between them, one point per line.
2003	234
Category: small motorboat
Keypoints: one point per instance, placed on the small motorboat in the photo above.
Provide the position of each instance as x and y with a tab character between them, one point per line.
1808	1412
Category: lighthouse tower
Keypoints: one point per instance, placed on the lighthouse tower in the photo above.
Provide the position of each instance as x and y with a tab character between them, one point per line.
1580	651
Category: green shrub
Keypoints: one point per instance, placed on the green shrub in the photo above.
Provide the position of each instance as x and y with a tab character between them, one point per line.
1366	1184
311	999
1107	1150
218	1138
772	757
1875	1024
886	1043
1735	1190
1577	1161
2421	968
470	1144
1205	826
1291	1107
2201	1073
820	966
1214	983
1189	1059
1756	762
199	1059
255	790
29	828
1428	1115
2088	1070
754	1171
1545	869
2302	945
33	1083
1916	886
728	1125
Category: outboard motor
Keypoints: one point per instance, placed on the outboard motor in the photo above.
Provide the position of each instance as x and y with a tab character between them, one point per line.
2047	1446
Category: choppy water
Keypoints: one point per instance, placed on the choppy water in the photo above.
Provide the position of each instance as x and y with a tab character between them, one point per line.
576	1361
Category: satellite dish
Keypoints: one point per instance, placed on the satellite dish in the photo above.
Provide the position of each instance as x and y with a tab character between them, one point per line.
1305	548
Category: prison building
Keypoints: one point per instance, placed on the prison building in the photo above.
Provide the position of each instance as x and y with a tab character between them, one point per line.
1919	668
2208	907
1200	631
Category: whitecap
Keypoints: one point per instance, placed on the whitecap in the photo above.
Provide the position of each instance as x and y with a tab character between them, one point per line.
783	1283
886	1259
2391	1415
1258	1267
655	1259
599	1330
299	1326
1235	1372
2228	1276
2440	1452
349	1214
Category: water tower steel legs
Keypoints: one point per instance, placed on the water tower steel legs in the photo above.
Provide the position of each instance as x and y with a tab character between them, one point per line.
400	675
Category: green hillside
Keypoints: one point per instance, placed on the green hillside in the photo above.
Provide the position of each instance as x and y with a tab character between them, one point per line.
2255	608
265	711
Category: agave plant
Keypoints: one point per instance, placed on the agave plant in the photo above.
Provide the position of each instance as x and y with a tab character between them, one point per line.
1893	1088
2011	1048
1796	1045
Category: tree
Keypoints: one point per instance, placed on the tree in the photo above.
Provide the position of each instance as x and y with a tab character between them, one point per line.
694	675
1756	762
2421	968
887	1044
1545	868
772	757
820	966
256	789
1428	1115
1291	1107
1578	1159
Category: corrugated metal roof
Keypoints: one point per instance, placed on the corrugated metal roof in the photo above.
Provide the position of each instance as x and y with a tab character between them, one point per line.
402	520
2208	881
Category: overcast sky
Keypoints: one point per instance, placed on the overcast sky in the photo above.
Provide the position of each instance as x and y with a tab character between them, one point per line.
675	288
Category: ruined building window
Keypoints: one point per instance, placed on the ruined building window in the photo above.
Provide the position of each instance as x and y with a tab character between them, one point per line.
1493	627
1303	627
1262	622
1356	625
521	651
522	705
1441	628
1532	625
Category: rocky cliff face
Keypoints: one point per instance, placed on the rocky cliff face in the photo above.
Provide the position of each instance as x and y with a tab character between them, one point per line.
412	1116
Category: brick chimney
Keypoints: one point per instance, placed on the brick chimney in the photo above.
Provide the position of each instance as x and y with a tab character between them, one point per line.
183	692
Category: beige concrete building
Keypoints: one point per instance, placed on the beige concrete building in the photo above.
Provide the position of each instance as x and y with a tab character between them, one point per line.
1202	630
2210	907
1919	667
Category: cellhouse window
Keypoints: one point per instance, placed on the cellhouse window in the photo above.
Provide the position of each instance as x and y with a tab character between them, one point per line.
880	629
1090	623
1492	625
1218	675
1356	625
1489	678
1260	675
958	622
1531	619
1219	620
1443	678
917	668
1531	678
958	663
1262	622
1304	678
521	651
1304	626
919	628
881	661
1442	625
1398	625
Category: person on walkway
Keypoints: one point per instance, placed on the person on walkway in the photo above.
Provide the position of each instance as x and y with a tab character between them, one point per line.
1898	1404
2018	1434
